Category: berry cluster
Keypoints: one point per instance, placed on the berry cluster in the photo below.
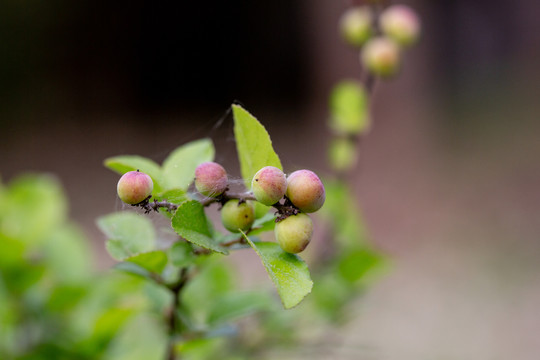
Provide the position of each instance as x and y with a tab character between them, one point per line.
381	37
294	196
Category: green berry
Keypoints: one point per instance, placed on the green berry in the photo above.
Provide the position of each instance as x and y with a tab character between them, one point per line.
269	185
356	25
210	179
381	56
306	190
134	187
237	216
400	23
294	233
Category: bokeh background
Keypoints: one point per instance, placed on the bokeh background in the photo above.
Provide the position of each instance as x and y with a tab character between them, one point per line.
449	176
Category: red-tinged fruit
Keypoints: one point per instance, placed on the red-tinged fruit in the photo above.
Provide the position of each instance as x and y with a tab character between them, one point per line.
134	187
269	185
293	234
381	56
237	216
211	179
305	190
400	23
356	25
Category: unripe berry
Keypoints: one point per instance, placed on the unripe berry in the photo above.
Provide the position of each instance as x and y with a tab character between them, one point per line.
210	179
356	25
400	23
381	56
134	186
293	234
269	185
305	190
236	217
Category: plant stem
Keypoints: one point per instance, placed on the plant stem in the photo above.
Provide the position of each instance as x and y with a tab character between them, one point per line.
173	320
286	209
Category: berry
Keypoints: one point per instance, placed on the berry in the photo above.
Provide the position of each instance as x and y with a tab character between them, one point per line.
237	216
269	185
381	56
400	23
293	234
305	190
134	187
355	25
211	179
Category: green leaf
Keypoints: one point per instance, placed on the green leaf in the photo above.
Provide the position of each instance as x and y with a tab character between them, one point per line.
289	273
181	254
175	196
342	154
354	265
142	338
68	254
253	144
349	108
153	261
124	163
191	223
264	224
179	167
344	215
34	206
128	234
133	269
235	305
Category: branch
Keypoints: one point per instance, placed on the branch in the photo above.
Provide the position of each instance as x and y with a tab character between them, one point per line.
173	320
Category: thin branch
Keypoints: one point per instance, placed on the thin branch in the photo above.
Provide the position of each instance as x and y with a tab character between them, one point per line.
173	321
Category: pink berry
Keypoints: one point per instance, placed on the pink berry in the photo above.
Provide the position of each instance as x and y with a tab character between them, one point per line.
400	23
381	56
134	187
269	185
211	179
305	190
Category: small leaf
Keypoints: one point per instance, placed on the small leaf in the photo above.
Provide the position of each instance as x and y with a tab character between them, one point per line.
354	265
153	261
133	269
349	108
191	223
124	163
128	233
179	167
253	143
175	196
181	254
289	273
235	305
264	224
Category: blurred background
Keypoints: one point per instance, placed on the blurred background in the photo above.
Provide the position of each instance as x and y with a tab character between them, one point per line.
448	179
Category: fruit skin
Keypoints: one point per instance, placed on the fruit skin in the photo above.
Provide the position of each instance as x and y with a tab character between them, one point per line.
400	23
269	185
356	25
293	234
235	216
134	186
305	190
381	56
211	179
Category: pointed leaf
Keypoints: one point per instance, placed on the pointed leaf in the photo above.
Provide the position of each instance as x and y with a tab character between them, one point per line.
289	273
124	163
153	261
253	144
179	167
349	108
191	223
128	234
